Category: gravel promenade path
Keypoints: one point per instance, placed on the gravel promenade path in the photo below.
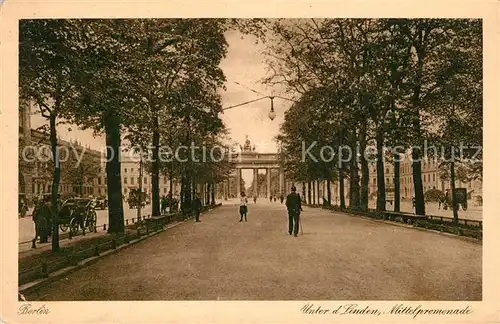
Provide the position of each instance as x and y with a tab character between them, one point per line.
338	257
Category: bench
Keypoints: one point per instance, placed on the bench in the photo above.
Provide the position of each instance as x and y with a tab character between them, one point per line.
407	218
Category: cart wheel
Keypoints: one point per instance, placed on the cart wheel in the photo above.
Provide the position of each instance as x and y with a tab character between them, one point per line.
73	226
63	227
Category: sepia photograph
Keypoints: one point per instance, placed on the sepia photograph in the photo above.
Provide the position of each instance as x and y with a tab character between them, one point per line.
251	159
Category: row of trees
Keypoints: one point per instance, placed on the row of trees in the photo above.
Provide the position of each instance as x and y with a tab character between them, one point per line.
140	82
387	83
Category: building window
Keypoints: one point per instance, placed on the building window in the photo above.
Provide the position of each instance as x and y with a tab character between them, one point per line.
131	180
145	180
132	170
125	180
99	178
386	180
433	177
165	180
125	170
386	170
125	190
165	190
99	190
374	180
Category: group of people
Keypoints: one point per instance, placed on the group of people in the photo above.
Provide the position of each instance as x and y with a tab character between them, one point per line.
271	198
293	205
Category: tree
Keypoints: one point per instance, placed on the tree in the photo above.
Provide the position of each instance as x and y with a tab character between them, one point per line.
384	77
44	69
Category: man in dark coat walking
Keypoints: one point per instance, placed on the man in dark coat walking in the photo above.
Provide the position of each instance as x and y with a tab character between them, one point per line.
294	207
197	207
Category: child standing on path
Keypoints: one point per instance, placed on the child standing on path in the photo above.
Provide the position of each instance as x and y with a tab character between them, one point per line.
243	206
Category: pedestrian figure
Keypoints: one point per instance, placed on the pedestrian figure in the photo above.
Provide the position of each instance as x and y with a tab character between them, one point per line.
41	216
294	207
274	198
446	199
163	204
255	199
271	198
197	207
243	206
282	198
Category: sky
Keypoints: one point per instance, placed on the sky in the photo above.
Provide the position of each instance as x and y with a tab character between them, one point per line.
244	64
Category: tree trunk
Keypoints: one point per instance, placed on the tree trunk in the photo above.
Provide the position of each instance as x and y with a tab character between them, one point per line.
417	183
213	194
303	191
171	184
314	193
365	171
155	168
329	191
380	173
113	173
183	188
416	101
319	195
397	193
309	201
81	189
354	185
453	196
139	208
207	193
341	173
55	183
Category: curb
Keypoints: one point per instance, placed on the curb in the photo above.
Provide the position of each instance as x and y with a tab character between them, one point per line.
460	237
39	283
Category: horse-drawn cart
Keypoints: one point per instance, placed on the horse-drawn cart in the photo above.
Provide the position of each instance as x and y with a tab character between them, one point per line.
460	199
77	213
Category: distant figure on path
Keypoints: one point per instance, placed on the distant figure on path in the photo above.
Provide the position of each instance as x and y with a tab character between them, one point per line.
243	206
255	199
197	207
294	207
271	198
163	204
282	198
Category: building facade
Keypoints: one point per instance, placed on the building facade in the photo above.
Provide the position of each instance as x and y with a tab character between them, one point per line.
36	164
